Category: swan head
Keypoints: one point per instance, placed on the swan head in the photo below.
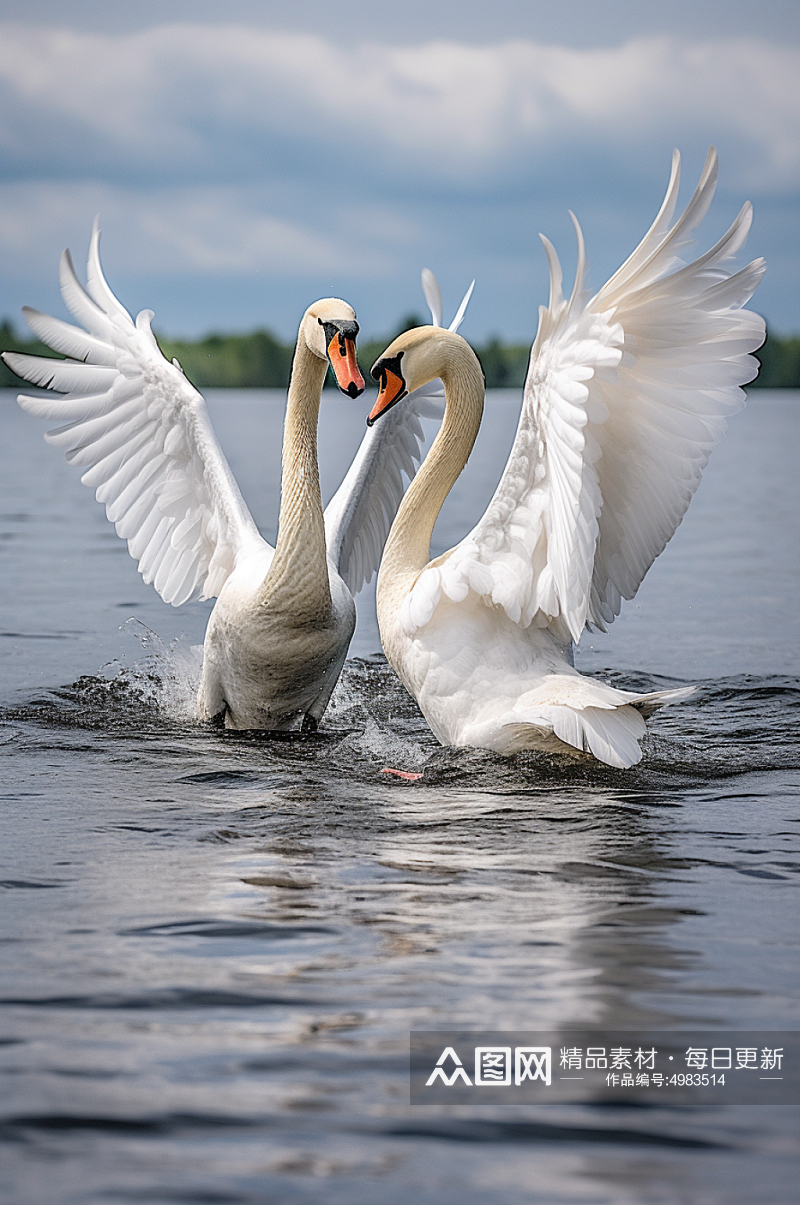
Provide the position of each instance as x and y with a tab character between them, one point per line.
329	330
414	359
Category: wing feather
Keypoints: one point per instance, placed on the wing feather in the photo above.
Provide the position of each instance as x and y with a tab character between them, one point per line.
63	376
625	397
433	296
143	434
67	339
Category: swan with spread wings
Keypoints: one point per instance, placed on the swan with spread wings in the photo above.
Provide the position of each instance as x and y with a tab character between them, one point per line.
626	394
280	629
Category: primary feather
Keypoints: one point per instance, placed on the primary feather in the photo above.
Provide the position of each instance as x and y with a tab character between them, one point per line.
144	436
626	394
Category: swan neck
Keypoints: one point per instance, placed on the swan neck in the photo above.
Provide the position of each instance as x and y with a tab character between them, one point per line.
300	563
408	547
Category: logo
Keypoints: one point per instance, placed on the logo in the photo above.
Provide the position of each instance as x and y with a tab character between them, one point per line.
532	1062
493	1066
440	1073
580	1065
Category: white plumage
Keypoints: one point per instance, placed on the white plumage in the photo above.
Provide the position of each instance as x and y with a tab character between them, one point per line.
143	434
626	394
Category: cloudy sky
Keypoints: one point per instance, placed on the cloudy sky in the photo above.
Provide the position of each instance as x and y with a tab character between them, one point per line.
245	160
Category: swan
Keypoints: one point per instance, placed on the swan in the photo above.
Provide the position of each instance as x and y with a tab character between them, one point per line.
278	634
625	396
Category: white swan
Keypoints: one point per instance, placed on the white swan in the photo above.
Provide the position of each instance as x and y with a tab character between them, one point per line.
278	635
626	395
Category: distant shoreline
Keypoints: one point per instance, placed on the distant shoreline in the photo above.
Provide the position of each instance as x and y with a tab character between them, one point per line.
260	361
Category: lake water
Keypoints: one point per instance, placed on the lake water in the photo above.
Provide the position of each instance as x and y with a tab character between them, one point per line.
215	945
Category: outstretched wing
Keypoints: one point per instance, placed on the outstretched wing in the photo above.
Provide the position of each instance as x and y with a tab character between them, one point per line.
687	340
361	512
144	433
626	395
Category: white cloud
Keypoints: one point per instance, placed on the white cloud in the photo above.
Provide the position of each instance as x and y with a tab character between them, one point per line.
206	230
174	100
225	231
228	152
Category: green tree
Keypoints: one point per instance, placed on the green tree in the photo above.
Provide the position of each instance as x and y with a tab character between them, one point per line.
780	363
260	361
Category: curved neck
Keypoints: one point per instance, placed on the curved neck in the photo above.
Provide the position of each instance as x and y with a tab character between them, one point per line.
408	546
300	561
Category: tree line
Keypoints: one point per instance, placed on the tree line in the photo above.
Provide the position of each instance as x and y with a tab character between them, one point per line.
260	361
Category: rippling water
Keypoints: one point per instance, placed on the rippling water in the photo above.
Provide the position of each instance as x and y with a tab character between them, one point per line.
215	945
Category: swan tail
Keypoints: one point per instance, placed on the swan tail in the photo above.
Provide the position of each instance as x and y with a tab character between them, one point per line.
610	735
648	703
609	726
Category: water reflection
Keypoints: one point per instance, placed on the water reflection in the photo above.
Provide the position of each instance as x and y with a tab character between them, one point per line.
574	886
214	991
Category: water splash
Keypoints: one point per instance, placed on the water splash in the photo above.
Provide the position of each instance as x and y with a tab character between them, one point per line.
132	693
167	678
730	727
383	723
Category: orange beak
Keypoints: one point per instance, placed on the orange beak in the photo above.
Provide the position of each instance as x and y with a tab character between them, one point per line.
342	355
393	387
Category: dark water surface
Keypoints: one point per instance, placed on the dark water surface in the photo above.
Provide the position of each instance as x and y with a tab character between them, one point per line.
214	945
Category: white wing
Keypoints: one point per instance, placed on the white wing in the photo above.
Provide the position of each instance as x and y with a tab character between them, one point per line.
625	397
685	358
360	513
145	435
